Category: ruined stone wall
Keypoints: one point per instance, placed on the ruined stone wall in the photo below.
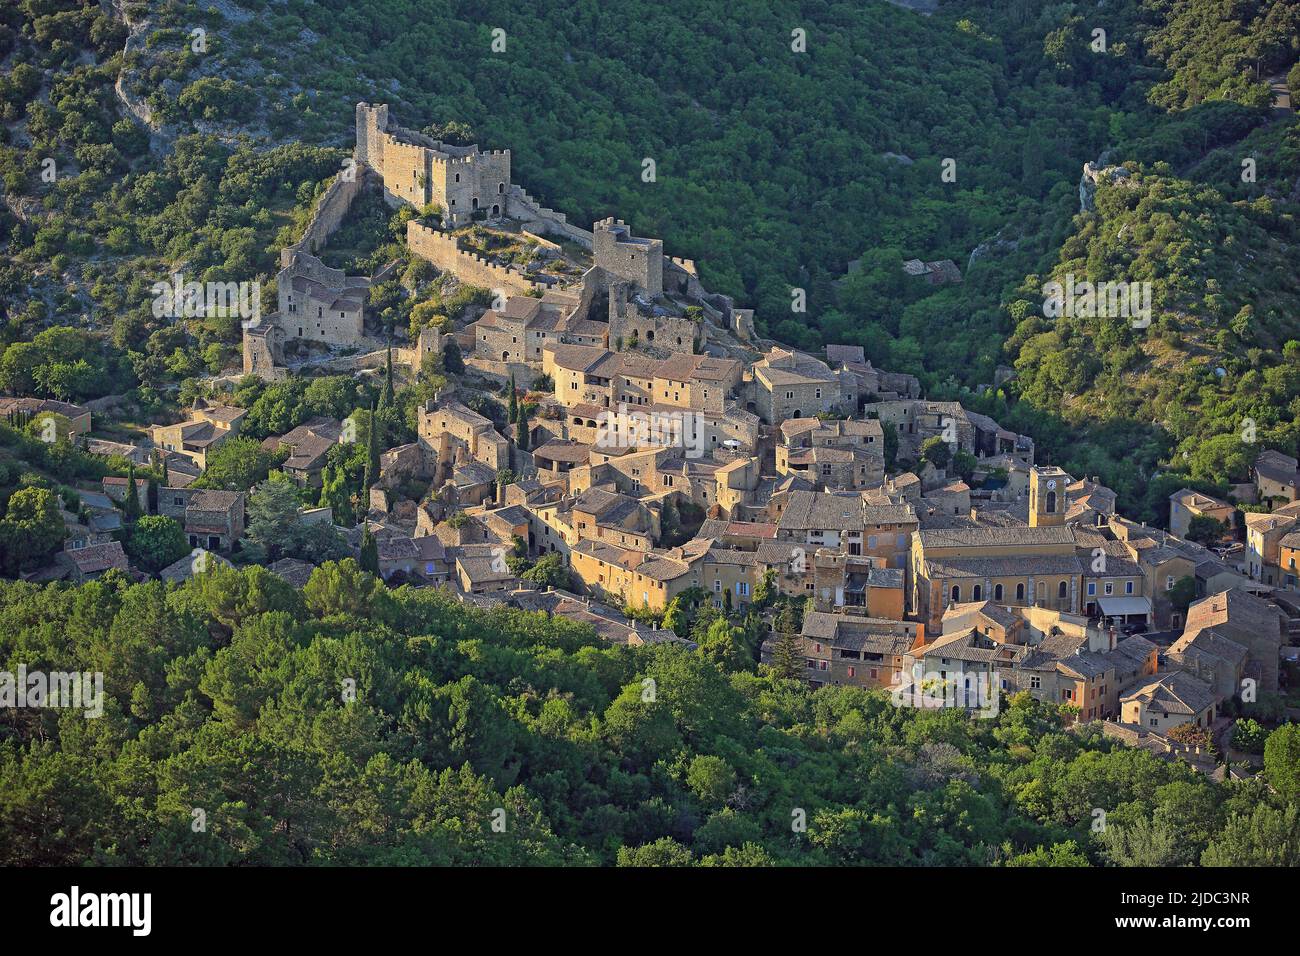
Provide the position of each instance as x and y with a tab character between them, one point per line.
445	252
331	208
537	217
681	278
627	322
430	342
263	353
304	315
900	383
499	373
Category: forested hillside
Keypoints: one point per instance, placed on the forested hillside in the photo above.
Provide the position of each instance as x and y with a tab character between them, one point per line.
1205	211
350	724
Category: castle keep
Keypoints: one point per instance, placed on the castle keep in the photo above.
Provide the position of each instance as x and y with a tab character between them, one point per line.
420	170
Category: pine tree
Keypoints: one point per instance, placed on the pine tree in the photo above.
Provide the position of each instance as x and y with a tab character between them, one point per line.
787	656
369	552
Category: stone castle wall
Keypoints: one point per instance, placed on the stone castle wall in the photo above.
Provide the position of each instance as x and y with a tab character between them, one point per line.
537	217
328	214
445	252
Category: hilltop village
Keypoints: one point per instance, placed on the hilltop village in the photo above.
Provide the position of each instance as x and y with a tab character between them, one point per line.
660	460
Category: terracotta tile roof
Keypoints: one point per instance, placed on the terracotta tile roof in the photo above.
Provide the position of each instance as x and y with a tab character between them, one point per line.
98	557
1175	693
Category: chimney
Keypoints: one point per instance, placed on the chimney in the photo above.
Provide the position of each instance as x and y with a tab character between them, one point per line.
1114	637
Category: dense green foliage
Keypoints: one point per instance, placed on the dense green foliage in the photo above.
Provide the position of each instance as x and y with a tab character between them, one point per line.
352	724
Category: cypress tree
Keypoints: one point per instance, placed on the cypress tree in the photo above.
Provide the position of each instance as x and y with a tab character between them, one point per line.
372	454
369	552
521	431
131	506
514	400
386	399
453	363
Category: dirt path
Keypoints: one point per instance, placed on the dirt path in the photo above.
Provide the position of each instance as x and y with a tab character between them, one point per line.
1281	95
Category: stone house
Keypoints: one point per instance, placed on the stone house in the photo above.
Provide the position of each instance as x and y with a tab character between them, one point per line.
1168	701
853	650
208	426
1275	476
308	446
1250	621
212	520
1264	534
836	454
608	516
73	421
456	435
791	384
90	562
1186	504
116	487
317	303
